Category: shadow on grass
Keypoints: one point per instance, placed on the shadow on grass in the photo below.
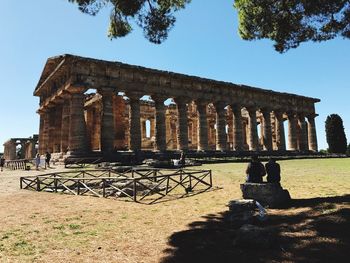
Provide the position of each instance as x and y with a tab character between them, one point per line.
319	232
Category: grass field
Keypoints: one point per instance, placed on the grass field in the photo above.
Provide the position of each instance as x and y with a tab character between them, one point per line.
45	227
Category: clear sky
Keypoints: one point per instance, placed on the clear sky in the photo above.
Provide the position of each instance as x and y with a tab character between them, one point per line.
204	42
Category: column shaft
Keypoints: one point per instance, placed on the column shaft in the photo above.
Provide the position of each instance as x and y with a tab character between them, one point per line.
312	134
58	129
221	137
237	128
46	134
202	126
292	132
303	137
65	123
182	125
41	149
107	120
280	137
267	132
160	136
253	133
135	125
77	129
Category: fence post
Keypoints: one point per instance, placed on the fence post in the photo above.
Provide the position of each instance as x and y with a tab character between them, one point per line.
20	182
211	180
135	200
104	187
55	184
190	178
78	187
37	184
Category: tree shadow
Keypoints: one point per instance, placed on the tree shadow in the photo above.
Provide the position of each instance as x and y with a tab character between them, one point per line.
309	230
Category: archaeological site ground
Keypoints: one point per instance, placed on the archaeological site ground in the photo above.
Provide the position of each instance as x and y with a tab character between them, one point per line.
49	227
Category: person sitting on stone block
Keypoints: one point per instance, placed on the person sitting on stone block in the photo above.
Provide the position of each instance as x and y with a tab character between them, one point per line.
273	171
255	171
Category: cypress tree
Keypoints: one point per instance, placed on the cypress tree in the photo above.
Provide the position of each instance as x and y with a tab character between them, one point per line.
335	134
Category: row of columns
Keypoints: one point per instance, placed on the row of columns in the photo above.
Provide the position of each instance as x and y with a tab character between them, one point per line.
69	133
306	140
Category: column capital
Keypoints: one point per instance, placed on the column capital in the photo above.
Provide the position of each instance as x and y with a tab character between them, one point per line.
64	94
311	116
301	115
106	91
182	100
220	104
236	106
158	98
133	96
291	114
201	102
76	89
251	109
265	109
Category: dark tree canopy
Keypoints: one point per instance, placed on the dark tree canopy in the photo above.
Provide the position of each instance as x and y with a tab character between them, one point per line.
155	17
291	22
335	134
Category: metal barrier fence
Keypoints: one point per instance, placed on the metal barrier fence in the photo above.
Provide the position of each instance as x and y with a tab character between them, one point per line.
17	164
139	185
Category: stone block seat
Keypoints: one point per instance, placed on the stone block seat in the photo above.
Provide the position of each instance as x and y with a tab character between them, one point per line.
267	194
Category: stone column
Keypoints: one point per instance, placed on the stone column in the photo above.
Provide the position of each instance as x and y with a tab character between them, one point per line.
280	137
12	150
58	128
312	133
303	136
46	129
253	133
65	123
267	132
77	130
107	120
182	124
221	137
237	128
51	129
41	133
292	131
202	126
160	136
135	125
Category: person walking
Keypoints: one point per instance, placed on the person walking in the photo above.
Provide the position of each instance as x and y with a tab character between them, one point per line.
37	161
47	159
2	162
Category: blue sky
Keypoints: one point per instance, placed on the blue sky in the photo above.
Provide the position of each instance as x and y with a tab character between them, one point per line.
204	42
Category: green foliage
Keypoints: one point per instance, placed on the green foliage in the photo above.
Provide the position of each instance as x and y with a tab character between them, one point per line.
335	134
155	17
348	150
289	22
323	151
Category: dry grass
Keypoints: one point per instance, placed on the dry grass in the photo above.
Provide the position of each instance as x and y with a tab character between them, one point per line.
45	227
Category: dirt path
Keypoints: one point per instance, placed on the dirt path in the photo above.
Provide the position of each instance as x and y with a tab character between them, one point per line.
10	179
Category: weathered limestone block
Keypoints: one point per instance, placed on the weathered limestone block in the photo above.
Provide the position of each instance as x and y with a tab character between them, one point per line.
250	236
272	195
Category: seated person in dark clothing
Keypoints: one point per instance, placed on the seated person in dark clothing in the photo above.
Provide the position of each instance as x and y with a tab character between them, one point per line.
255	171
273	171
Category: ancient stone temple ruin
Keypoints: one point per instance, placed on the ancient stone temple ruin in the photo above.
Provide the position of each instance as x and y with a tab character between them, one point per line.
89	105
21	148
